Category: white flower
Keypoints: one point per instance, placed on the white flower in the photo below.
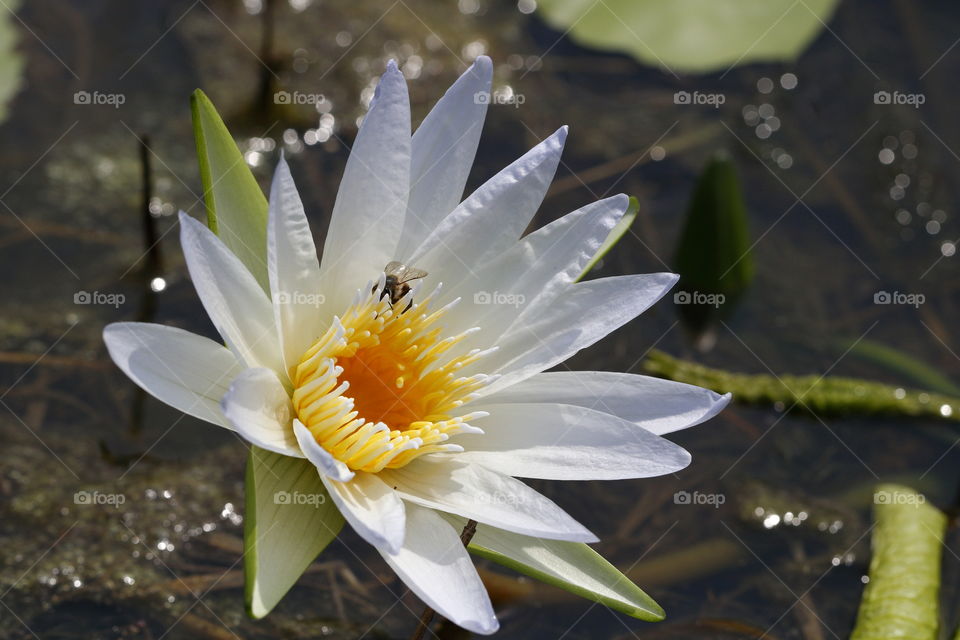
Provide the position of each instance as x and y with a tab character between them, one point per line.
434	404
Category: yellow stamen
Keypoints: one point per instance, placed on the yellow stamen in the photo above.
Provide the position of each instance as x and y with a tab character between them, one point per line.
373	390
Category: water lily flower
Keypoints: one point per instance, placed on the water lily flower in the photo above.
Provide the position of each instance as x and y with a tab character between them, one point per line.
421	409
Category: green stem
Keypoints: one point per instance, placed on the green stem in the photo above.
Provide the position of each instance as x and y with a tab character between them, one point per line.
814	393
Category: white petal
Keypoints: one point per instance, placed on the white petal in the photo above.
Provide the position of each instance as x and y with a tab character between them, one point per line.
442	152
524	281
189	372
371	203
259	408
326	464
374	510
659	406
293	267
587	312
472	491
436	567
564	442
494	216
236	304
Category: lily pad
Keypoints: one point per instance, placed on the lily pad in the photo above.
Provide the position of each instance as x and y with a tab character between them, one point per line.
695	36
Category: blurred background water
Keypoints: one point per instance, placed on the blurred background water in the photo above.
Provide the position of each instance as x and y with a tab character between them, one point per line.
846	198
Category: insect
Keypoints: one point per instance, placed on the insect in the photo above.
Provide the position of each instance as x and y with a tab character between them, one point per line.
395	284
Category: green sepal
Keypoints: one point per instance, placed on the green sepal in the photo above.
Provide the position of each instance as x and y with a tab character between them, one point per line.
236	206
289	519
618	231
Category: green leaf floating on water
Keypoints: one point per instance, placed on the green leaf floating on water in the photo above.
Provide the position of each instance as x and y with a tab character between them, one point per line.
713	254
901	599
615	235
827	395
288	518
693	36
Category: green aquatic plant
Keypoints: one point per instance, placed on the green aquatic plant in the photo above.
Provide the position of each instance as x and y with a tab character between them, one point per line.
713	255
695	36
901	598
820	394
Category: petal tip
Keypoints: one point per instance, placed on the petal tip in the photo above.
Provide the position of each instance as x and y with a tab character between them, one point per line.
486	627
109	330
719	404
483	65
621	201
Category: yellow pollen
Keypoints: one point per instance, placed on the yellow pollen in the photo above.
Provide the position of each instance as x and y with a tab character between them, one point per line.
376	390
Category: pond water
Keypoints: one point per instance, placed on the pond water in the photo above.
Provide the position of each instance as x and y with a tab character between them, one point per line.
847	198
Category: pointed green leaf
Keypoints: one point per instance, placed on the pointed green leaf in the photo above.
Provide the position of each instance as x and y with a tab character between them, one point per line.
902	598
236	206
614	236
692	35
289	520
572	566
713	255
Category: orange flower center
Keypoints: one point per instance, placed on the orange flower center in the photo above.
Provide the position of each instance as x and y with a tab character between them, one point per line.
379	388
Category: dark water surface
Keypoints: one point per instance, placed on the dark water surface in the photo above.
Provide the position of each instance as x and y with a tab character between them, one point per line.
836	219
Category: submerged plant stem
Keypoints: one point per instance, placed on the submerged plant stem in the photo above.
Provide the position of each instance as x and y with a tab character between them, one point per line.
814	393
428	614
